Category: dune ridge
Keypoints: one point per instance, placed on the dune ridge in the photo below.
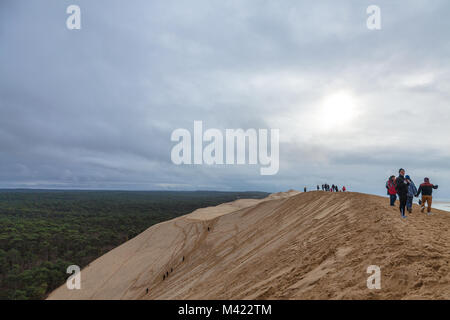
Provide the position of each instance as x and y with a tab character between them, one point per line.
290	245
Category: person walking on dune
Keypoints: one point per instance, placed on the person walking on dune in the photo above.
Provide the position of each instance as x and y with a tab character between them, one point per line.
343	189
426	188
412	191
401	186
392	193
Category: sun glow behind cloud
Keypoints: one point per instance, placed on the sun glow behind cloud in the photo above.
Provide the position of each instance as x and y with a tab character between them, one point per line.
337	111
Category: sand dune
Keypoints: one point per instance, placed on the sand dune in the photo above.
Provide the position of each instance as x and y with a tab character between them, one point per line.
291	245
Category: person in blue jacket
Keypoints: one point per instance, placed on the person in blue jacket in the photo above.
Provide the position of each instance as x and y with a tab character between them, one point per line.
412	191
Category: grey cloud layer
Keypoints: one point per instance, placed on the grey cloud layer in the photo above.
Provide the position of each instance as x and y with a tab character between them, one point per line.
95	108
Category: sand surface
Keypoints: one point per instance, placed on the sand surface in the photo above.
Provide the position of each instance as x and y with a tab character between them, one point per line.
291	245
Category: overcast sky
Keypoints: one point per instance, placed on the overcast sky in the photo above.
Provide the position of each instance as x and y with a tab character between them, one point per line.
95	108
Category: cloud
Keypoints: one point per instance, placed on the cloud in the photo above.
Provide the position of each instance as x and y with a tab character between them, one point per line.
95	108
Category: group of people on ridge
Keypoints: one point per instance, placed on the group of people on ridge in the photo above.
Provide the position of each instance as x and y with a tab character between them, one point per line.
327	187
404	187
333	188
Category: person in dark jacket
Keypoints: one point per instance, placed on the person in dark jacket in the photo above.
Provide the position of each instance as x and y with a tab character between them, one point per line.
392	193
401	186
412	191
426	188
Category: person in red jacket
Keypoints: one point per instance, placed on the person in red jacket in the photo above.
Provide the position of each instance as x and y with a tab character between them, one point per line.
392	193
343	189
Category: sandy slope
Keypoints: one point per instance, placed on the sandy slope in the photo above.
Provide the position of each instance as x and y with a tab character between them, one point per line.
290	245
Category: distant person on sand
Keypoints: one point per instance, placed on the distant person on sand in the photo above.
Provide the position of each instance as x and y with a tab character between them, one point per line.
412	191
318	188
304	189
343	189
402	186
426	188
392	193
